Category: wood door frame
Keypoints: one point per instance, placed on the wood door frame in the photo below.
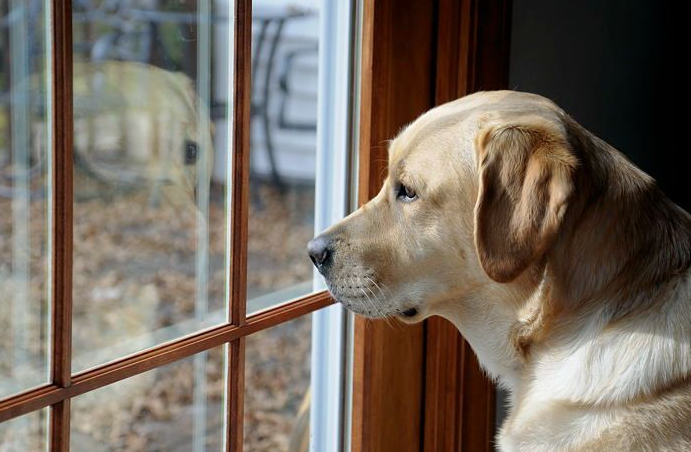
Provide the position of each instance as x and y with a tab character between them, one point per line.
420	388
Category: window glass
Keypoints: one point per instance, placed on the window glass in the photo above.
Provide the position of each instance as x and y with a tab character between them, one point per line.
285	68
151	120
175	408
26	433
277	381
25	169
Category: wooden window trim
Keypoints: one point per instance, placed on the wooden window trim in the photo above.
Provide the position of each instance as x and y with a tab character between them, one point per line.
396	86
420	388
459	399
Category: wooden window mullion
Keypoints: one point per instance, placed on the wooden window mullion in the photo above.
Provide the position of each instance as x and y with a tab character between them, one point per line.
61	122
235	358
235	395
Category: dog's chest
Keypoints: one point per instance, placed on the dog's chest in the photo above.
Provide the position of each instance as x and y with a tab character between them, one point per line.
549	427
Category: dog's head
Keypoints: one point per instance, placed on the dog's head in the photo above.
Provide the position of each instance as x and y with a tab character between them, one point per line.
476	192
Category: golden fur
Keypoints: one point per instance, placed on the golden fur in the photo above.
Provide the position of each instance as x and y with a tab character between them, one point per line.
562	264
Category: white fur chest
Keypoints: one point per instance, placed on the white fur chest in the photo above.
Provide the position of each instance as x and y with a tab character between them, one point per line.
552	427
580	385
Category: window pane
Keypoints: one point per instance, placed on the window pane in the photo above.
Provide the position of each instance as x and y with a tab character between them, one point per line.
175	408
151	109
26	433
277	381
24	196
283	150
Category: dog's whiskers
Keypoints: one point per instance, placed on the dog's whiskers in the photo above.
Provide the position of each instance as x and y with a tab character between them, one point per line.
376	310
386	299
373	303
367	296
386	318
355	285
383	295
380	309
382	283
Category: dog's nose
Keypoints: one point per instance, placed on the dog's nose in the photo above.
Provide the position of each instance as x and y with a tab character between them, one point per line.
319	252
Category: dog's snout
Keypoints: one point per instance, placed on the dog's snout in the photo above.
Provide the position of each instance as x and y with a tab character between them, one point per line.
320	252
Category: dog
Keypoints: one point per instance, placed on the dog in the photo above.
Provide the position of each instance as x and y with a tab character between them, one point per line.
135	126
562	264
138	125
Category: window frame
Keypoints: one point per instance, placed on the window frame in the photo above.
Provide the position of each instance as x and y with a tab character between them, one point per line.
457	47
417	55
64	384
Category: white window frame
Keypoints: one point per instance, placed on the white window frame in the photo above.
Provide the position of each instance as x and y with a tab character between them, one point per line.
335	177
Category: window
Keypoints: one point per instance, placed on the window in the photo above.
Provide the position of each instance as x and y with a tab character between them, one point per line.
154	210
145	205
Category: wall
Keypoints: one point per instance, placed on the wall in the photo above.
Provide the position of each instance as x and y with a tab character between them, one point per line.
613	66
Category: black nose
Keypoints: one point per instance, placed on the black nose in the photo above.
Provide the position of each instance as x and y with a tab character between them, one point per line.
318	249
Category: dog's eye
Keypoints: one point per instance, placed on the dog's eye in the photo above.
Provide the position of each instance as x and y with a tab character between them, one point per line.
406	194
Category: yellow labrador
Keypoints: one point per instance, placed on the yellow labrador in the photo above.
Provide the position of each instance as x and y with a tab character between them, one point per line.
561	263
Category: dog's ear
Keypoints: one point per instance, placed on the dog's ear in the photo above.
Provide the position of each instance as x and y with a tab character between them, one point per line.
526	183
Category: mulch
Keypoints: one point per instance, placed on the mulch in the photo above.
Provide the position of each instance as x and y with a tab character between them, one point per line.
134	271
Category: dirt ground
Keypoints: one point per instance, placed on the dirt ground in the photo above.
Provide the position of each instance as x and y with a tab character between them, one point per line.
134	272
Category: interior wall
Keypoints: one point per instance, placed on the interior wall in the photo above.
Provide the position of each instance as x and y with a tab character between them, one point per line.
613	66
